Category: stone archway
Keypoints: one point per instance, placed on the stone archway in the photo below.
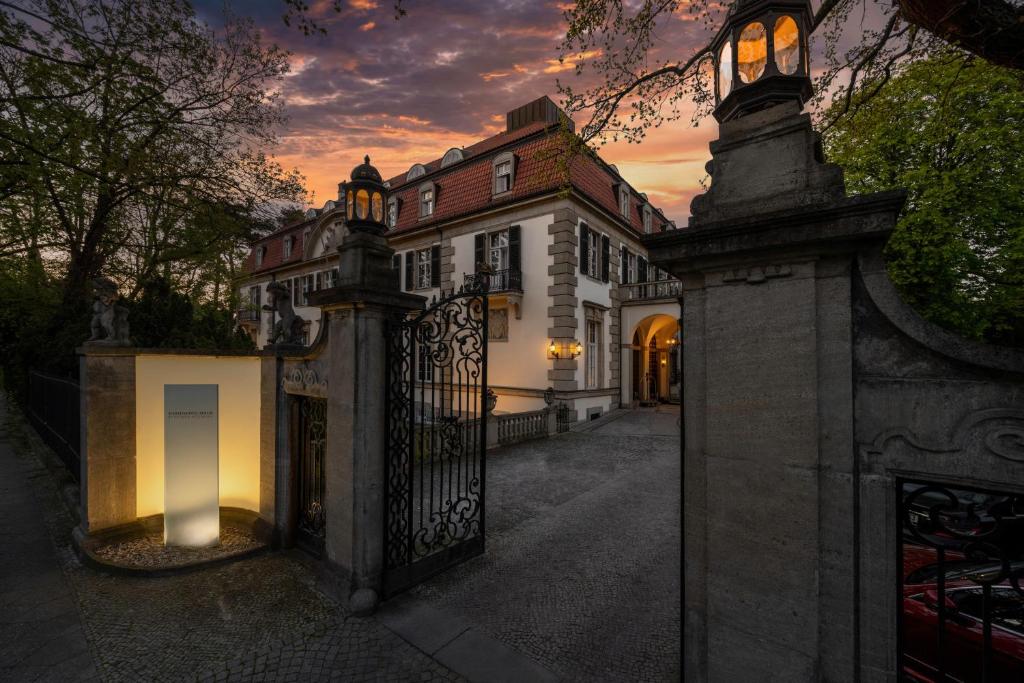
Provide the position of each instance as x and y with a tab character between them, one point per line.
655	368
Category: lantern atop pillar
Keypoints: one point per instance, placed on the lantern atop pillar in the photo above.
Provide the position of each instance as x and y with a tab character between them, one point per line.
365	197
761	57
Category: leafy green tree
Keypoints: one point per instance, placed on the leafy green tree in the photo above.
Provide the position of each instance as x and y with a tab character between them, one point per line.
165	318
950	130
139	132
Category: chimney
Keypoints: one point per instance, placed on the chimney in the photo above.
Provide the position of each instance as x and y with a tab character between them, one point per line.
541	109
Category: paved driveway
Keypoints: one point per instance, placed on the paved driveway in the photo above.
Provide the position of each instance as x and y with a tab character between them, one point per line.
582	568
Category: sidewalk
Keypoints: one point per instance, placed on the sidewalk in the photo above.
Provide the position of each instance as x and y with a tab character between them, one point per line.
41	634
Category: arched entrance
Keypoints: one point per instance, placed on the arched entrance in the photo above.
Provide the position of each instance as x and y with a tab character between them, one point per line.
655	368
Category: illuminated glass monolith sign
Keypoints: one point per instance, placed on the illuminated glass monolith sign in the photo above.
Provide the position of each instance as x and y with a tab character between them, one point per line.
191	465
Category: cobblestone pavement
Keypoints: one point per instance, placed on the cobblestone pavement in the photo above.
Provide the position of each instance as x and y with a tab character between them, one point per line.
257	619
583	560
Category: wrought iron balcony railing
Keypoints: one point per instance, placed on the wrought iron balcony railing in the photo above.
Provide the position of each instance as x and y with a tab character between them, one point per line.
507	280
248	315
643	291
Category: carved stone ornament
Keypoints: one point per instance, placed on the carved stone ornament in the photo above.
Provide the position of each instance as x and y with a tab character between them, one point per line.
290	326
304	381
757	274
109	325
996	431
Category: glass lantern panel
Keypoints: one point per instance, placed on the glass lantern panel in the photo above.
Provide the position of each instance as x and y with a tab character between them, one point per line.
362	204
348	203
752	51
787	46
378	207
725	70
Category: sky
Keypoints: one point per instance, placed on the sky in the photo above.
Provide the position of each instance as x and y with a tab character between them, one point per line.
444	76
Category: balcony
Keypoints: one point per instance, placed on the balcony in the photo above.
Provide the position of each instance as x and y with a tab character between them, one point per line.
248	314
650	291
498	281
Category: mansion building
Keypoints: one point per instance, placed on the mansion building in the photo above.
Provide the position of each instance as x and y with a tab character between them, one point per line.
573	303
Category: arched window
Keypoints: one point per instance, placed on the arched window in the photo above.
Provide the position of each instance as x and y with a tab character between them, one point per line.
452	156
416	171
725	70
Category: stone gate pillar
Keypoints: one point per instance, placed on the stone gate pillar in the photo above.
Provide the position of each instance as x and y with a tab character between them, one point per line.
356	311
769	495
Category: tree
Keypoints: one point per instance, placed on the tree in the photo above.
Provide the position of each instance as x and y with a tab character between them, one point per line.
133	134
951	131
642	83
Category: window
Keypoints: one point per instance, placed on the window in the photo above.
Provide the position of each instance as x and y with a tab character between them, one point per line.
416	171
259	256
330	278
426	200
593	351
504	172
452	156
594	253
498	250
647	219
254	296
424	364
307	287
288	246
624	201
423	269
631	266
392	212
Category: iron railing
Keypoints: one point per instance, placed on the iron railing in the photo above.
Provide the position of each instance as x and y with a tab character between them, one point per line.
54	411
507	280
565	417
516	427
961	615
643	291
248	315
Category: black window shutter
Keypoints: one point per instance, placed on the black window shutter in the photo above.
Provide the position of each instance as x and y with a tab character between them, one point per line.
513	248
478	251
605	255
408	271
642	269
624	275
584	248
435	265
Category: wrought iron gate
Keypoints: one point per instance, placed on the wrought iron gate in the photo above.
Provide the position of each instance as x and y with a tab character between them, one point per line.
436	404
310	420
961	616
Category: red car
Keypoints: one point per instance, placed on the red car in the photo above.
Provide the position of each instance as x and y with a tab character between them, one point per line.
962	646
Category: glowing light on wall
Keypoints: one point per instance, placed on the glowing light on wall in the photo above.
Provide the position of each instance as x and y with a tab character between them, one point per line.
191	465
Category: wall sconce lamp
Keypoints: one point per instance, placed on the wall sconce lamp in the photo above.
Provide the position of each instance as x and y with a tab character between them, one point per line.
571	349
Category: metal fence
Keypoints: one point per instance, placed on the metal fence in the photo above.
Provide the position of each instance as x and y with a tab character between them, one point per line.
565	417
54	411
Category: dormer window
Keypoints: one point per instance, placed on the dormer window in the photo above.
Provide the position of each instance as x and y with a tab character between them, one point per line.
288	246
427	192
392	212
624	201
504	172
416	171
259	256
648	215
452	156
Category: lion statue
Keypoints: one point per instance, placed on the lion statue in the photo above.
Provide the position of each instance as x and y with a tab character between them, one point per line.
289	326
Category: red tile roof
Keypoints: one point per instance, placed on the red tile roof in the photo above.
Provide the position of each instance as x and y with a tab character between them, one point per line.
464	188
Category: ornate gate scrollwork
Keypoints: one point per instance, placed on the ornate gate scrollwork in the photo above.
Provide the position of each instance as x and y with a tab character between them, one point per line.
311	520
436	406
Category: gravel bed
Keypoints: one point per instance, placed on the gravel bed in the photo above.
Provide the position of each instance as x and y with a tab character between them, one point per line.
149	551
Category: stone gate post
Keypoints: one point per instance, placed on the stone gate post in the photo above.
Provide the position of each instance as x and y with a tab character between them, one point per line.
356	310
770	494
